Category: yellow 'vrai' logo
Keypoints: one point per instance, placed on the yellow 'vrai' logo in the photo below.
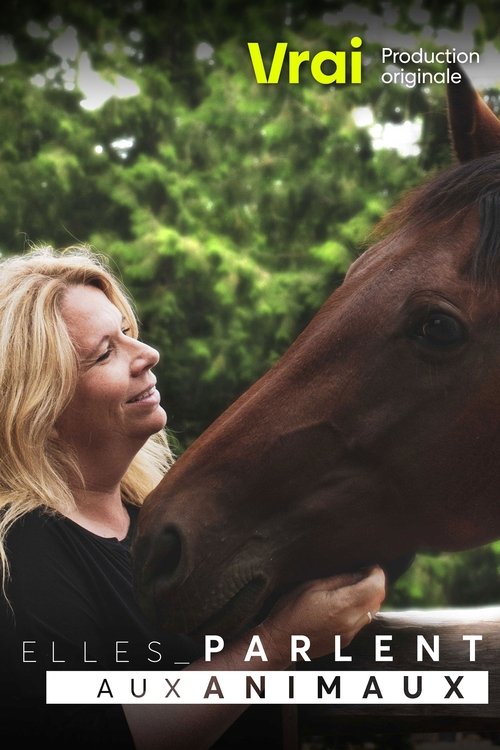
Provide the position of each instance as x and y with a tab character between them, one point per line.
346	65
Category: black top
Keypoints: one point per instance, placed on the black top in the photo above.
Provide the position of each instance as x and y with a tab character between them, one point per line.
71	593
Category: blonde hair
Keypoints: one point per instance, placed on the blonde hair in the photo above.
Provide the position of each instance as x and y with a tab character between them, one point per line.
38	374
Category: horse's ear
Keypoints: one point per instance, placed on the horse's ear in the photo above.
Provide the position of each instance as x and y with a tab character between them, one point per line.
474	128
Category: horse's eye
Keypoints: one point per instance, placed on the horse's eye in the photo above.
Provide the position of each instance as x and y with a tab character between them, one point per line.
439	330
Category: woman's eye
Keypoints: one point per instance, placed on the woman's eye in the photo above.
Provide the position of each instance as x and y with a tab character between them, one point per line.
439	330
104	356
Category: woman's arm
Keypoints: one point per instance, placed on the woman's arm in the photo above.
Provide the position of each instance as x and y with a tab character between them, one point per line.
321	609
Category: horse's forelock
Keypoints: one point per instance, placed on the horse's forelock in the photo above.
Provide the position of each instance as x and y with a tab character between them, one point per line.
485	263
449	197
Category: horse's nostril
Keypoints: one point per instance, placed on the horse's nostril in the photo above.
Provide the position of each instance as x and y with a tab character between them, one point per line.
168	552
163	560
158	569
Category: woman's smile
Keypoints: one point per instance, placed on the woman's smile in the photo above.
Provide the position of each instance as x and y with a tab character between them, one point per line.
148	397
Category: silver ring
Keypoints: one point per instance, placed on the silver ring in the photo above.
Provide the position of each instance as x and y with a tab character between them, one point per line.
370	617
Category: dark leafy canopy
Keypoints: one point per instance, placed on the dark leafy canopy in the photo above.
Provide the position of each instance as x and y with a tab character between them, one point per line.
231	210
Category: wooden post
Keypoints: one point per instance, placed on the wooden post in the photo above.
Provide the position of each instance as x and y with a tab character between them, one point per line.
290	727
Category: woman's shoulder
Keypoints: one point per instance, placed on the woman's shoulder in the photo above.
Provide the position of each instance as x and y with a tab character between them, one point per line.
52	558
45	543
34	526
43	525
36	543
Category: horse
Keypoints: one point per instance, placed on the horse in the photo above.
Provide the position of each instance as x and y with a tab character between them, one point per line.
374	437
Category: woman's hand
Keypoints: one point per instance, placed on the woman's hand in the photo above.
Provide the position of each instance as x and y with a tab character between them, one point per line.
322	609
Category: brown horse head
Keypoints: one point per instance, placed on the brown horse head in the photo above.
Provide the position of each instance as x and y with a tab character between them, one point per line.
375	436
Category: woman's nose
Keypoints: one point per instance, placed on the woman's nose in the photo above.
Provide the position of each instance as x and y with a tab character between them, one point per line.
146	358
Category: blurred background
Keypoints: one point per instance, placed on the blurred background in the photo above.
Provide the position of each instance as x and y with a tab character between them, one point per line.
230	210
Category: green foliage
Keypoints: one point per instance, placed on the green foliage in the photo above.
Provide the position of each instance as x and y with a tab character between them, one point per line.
459	580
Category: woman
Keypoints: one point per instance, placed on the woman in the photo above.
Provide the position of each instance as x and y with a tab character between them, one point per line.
82	443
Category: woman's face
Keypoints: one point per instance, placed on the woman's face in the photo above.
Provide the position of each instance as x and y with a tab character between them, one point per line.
116	404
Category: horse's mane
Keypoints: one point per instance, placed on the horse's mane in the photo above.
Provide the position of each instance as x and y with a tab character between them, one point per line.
450	195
